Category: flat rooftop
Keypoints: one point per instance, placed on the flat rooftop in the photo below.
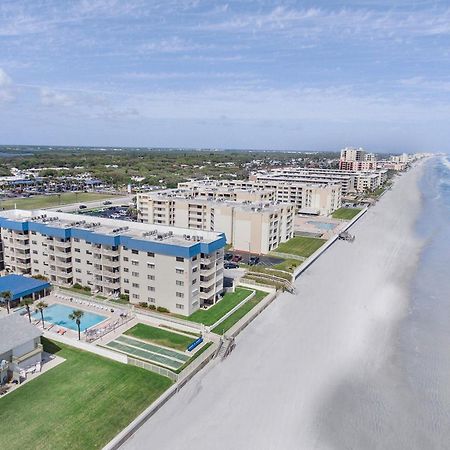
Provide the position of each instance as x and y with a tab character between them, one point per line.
20	286
111	227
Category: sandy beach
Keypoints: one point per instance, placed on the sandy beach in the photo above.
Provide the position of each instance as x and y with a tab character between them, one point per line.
281	388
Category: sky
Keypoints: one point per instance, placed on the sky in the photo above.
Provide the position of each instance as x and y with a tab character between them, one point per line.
253	74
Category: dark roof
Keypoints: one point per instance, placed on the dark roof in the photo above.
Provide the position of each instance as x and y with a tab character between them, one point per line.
15	331
20	286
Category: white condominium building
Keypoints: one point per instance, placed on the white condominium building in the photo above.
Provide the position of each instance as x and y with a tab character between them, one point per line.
250	226
350	181
308	196
356	159
174	268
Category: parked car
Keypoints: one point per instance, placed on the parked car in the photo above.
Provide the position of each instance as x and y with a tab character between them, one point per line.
237	258
231	265
107	202
82	207
253	260
228	256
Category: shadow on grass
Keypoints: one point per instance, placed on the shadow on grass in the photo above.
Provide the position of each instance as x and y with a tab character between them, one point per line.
50	346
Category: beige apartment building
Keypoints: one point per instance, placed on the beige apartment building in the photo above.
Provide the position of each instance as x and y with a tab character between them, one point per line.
175	268
249	225
316	197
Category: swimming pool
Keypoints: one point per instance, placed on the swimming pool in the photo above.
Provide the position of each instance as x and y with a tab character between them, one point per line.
322	225
59	315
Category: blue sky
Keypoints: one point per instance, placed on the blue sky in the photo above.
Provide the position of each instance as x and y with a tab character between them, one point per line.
249	74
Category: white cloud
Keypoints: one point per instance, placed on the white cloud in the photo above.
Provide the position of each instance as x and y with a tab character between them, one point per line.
6	87
50	97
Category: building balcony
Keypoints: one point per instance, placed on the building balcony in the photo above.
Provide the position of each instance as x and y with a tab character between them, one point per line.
21	245
59	252
62	244
109	252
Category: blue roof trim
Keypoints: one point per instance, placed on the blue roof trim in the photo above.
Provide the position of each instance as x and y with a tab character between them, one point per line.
130	242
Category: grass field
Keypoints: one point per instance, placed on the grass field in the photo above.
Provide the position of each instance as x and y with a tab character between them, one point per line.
239	313
213	314
345	213
159	336
289	265
80	404
301	246
48	201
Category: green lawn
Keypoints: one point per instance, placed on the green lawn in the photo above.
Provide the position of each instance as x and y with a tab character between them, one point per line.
289	265
80	404
48	201
159	336
345	213
213	314
300	246
239	313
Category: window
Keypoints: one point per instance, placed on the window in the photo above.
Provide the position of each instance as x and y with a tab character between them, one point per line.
77	250
180	283
134	262
34	242
135	285
151	288
194	269
150	265
136	296
126	280
126	269
135	274
150	277
180	259
152	299
179	271
88	252
179	306
194	258
78	260
135	252
125	258
78	270
194	281
35	252
151	254
179	294
76	240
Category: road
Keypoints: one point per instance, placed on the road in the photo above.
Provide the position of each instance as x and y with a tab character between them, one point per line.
73	207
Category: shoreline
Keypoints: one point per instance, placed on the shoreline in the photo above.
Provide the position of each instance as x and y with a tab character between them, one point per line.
308	341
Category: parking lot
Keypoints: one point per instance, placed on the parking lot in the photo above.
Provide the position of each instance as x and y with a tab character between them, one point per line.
111	212
263	260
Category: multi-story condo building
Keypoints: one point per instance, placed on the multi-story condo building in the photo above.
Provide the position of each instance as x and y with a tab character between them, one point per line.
312	197
179	269
350	181
356	159
250	226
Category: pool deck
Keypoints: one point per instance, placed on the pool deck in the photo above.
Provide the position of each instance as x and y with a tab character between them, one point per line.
112	315
307	225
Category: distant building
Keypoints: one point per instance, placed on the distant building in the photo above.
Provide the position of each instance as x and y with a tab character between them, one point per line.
356	159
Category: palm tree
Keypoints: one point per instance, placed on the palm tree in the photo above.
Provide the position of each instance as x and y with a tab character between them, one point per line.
40	307
7	296
76	315
27	302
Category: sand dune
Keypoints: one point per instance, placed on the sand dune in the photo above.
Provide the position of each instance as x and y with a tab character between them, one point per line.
270	393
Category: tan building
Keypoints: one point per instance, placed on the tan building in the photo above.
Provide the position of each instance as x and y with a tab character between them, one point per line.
175	268
356	159
312	197
256	227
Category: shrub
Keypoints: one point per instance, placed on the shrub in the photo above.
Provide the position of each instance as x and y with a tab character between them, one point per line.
153	307
125	297
143	304
162	309
77	286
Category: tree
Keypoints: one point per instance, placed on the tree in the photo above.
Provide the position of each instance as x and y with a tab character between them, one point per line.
40	307
7	297
76	315
27	302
